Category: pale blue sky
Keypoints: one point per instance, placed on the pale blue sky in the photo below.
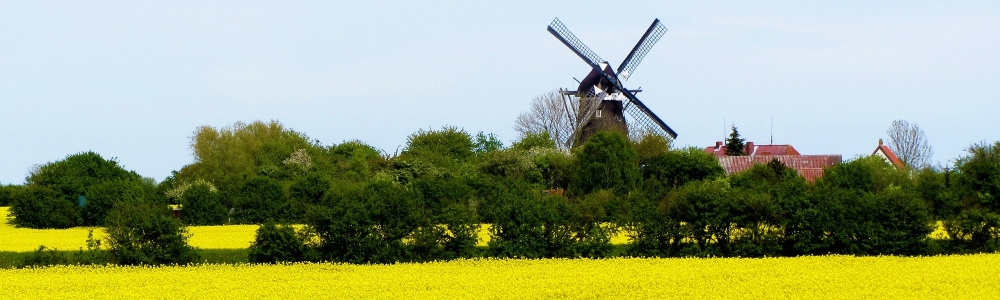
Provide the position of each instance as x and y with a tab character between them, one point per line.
132	80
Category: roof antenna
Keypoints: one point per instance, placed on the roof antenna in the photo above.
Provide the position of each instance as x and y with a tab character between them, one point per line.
772	131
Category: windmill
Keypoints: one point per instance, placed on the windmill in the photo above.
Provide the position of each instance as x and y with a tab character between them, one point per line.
600	102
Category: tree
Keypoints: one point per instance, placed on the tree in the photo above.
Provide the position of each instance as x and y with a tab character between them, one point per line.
440	147
276	243
549	113
607	161
487	143
64	181
260	199
910	144
37	206
103	196
202	206
146	234
734	144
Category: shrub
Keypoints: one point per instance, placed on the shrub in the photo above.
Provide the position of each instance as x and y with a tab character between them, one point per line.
41	207
440	147
260	199
72	176
365	223
606	161
527	224
974	230
44	256
534	140
7	194
979	177
674	168
202	206
102	196
146	234
276	243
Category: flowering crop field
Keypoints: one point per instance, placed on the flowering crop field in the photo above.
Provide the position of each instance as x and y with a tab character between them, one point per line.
827	277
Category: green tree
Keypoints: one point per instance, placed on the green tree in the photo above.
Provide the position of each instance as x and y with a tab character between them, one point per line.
260	199
440	147
228	156
978	176
276	243
42	207
649	146
365	222
103	196
203	206
675	168
485	143
73	175
7	193
146	234
607	161
734	143
533	140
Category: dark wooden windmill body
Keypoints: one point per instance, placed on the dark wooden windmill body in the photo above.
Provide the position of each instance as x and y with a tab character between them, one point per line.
602	103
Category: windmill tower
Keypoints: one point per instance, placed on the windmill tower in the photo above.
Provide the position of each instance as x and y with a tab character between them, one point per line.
600	102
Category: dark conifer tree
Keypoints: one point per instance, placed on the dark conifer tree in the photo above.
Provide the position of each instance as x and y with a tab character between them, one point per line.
734	144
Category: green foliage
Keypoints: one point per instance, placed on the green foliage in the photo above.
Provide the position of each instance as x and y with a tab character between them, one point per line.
974	230
203	206
867	174
44	256
50	197
103	196
146	234
441	147
978	177
42	207
534	140
8	192
277	243
260	199
486	143
365	223
704	211
72	176
651	145
607	161
352	160
674	168
94	255
734	143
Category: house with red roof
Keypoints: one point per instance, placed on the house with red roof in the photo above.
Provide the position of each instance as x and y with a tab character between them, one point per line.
809	166
887	154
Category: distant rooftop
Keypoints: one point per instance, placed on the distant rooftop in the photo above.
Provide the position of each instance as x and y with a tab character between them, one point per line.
809	166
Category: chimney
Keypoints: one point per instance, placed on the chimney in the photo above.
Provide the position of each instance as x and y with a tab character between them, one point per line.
718	145
749	148
880	142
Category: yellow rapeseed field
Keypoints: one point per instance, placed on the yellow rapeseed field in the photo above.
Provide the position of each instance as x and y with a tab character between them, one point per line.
826	277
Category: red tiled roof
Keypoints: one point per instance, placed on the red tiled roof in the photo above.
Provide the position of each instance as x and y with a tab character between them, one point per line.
889	155
720	150
809	166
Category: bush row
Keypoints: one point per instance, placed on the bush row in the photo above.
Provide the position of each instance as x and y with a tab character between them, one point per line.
426	203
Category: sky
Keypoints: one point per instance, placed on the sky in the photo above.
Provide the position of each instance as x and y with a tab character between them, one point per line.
132	80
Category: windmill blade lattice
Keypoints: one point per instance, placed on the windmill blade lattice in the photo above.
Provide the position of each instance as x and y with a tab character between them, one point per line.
560	31
652	35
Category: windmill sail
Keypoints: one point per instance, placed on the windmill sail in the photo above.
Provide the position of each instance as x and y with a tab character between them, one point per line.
569	39
653	34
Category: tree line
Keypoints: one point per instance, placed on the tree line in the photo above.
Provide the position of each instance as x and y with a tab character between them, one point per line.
429	201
